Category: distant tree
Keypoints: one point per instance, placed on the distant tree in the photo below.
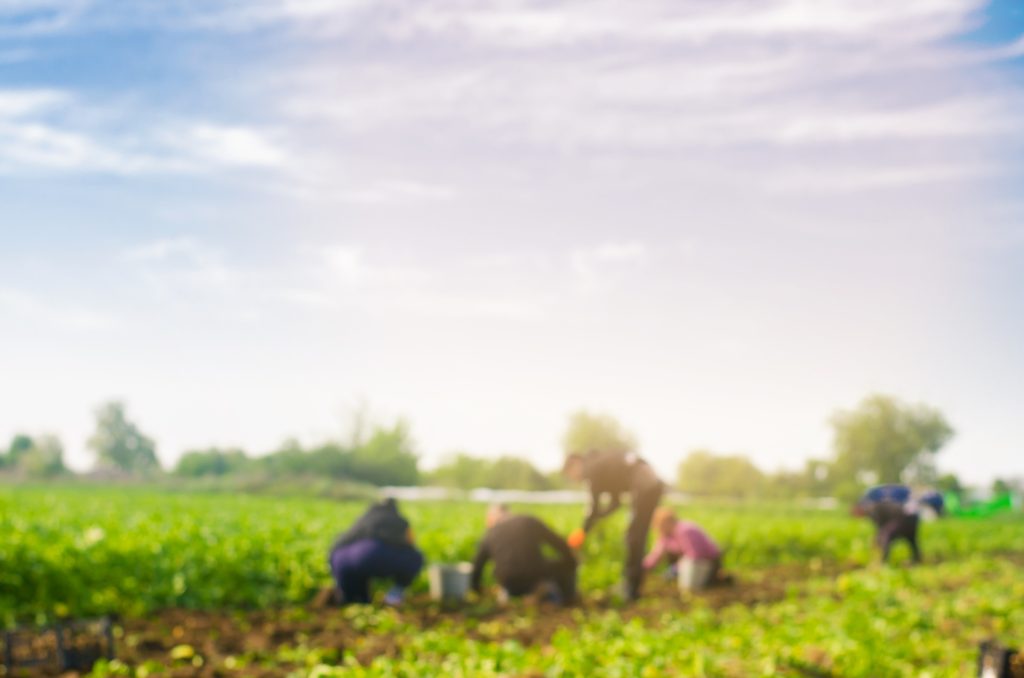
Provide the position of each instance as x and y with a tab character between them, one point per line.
785	485
460	471
709	474
119	443
949	483
387	457
596	432
515	473
1000	487
505	473
20	445
44	459
885	440
211	462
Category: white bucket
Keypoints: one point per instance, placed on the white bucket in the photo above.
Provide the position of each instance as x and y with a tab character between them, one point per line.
450	582
695	575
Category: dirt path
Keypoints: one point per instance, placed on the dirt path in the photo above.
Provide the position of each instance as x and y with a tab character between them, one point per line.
217	636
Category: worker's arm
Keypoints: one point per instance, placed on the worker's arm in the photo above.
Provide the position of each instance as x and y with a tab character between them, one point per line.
483	554
548	536
652	558
599	511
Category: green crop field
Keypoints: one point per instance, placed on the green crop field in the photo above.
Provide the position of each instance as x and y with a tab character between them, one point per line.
221	583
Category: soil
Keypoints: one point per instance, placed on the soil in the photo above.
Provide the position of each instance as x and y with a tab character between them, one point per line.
216	636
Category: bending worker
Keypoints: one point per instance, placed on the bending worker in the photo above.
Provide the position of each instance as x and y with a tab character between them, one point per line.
378	546
514	543
895	517
682	539
615	474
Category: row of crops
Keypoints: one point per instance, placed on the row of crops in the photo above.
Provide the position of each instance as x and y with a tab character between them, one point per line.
85	550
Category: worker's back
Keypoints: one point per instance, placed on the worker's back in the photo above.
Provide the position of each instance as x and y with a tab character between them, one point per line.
515	545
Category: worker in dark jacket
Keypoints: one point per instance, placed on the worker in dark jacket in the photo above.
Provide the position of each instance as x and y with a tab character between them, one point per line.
895	517
378	546
611	475
515	544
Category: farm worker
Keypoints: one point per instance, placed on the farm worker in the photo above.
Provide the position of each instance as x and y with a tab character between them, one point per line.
378	546
615	473
894	515
681	539
514	542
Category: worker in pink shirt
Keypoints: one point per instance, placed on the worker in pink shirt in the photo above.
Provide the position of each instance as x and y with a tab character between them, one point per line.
681	539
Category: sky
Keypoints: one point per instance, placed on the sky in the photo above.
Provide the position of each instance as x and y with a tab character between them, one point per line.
717	220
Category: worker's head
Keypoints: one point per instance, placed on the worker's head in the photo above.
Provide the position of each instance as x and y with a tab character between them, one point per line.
573	467
664	521
496	513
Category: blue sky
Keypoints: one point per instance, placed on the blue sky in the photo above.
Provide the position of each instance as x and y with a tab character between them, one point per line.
718	221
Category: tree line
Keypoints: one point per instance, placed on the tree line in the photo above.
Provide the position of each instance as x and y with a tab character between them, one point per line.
881	440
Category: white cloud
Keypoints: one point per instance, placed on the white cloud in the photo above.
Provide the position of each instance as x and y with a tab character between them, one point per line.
233	146
171	264
57	315
596	268
49	130
350	266
868	178
527	24
19	103
39	17
390	192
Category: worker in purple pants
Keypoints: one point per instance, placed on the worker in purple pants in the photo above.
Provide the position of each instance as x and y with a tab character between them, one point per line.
378	546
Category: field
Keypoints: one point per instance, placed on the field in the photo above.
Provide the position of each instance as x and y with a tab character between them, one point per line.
222	585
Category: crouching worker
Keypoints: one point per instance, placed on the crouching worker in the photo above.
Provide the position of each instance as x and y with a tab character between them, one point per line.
515	544
894	515
378	546
682	539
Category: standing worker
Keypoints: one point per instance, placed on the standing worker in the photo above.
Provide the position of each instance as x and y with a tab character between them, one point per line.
514	543
378	546
614	474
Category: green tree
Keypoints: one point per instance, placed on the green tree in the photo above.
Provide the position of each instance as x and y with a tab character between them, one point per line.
596	432
387	457
466	472
884	440
211	462
20	445
1000	487
119	443
708	474
44	459
460	471
515	473
949	484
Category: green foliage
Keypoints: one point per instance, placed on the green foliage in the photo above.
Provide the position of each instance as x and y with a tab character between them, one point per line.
118	443
465	472
84	551
45	459
949	484
596	432
703	473
883	440
20	444
211	462
41	457
1001	488
387	458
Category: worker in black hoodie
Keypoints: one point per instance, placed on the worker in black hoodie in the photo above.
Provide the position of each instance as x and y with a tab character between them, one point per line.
378	546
